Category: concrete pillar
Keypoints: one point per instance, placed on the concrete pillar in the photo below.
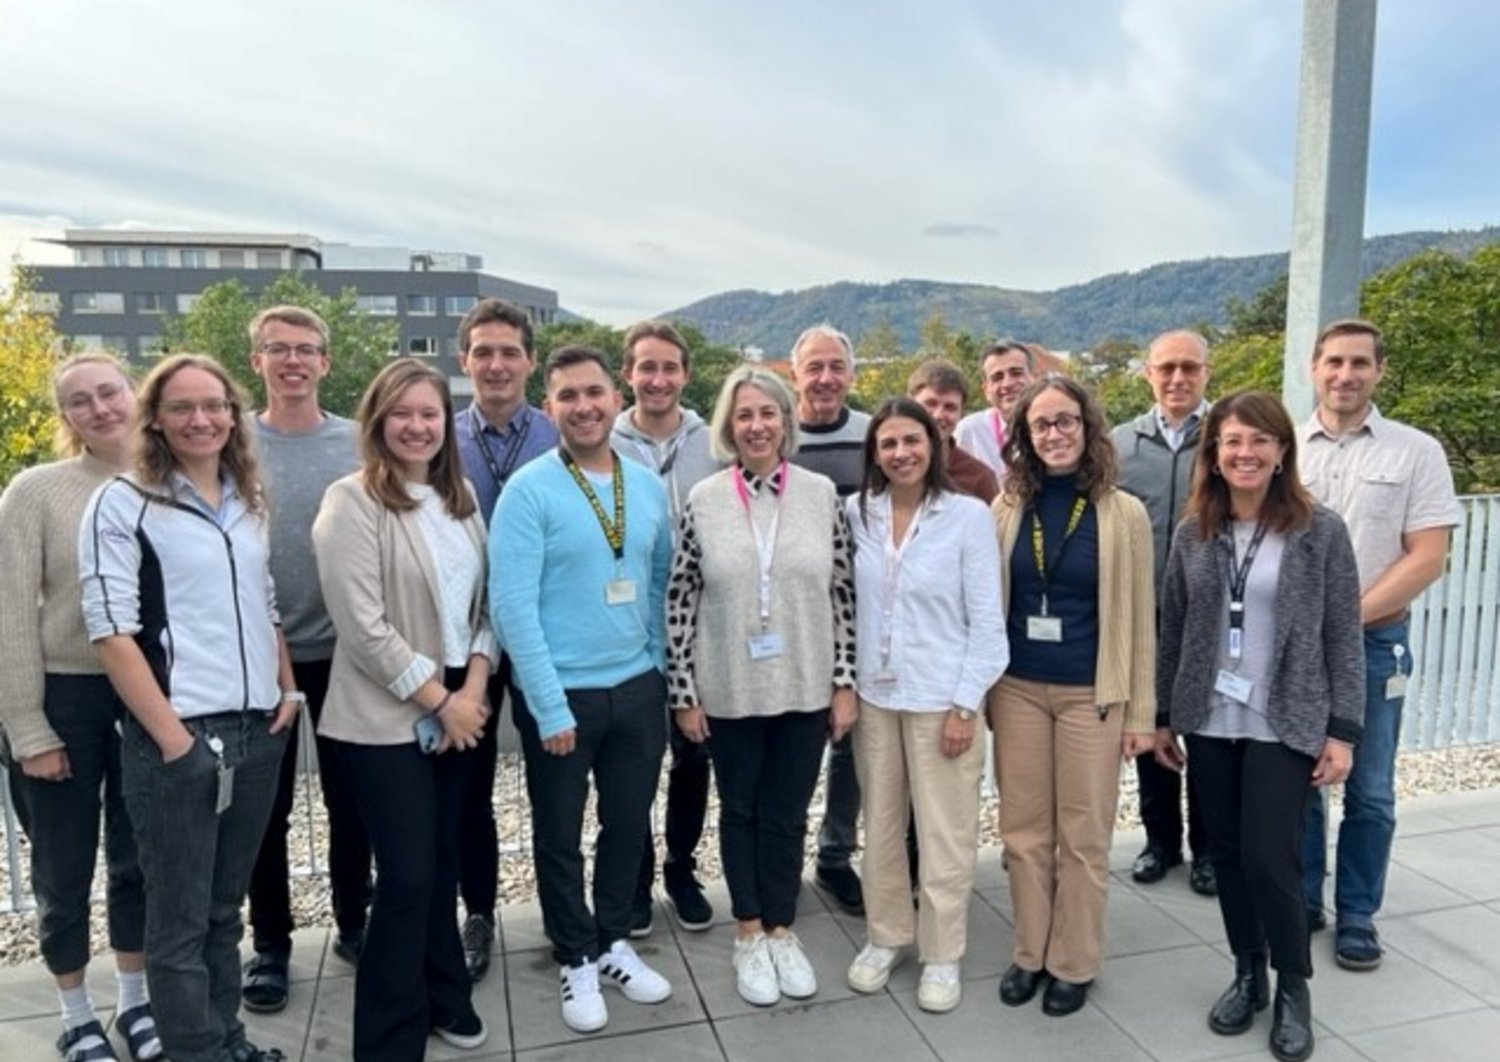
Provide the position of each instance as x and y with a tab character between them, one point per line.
1328	212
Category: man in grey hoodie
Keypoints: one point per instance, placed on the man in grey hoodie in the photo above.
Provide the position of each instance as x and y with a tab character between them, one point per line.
673	442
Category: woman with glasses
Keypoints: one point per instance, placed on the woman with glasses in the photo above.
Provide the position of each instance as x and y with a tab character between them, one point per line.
1079	693
177	597
1262	670
401	558
59	712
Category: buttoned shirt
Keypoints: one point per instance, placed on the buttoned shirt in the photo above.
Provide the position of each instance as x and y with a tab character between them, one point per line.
1385	478
491	455
1175	437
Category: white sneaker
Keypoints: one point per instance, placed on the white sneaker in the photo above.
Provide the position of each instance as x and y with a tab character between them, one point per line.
872	967
754	976
794	974
939	990
622	967
583	1007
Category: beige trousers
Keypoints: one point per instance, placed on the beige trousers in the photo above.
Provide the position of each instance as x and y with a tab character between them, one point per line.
899	758
1059	766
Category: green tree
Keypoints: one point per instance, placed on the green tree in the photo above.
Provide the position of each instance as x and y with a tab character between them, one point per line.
1113	369
28	338
880	343
359	344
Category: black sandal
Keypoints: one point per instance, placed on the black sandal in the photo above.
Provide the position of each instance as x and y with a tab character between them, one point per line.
266	985
67	1044
138	1026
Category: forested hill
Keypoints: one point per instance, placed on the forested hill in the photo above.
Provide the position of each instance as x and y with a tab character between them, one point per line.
1125	305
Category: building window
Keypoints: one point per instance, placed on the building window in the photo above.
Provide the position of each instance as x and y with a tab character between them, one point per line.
194	259
117	256
154	257
267	259
85	341
150	302
450	346
119	344
421	346
98	302
458	305
185	303
45	302
395	348
306	260
421	305
378	305
150	346
231	259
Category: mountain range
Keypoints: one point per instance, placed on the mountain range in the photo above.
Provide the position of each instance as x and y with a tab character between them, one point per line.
1133	306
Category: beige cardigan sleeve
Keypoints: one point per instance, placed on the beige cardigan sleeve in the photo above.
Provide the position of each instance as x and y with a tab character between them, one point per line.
22	548
1140	603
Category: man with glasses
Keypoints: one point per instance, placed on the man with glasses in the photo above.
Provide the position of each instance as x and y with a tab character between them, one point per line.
1156	452
496	435
303	449
1007	368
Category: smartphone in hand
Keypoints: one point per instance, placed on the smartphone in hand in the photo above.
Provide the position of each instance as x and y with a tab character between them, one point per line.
429	732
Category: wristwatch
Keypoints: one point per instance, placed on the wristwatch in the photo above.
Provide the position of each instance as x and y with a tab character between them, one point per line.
297	697
965	715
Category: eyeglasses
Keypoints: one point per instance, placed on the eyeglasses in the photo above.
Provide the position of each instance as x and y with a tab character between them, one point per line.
83	401
277	351
1065	423
1189	369
209	407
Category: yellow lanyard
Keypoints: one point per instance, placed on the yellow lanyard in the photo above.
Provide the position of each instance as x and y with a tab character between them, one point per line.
614	531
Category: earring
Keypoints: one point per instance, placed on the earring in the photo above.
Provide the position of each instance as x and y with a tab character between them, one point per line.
1278	468
1216	471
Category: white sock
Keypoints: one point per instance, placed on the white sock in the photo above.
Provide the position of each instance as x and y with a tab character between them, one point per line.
78	1009
132	985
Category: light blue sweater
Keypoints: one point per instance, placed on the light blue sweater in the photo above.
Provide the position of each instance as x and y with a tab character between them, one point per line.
549	563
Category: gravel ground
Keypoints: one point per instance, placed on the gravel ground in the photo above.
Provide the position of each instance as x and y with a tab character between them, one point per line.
1419	773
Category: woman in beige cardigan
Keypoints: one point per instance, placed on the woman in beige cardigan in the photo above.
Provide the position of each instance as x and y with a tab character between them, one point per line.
401	558
1079	694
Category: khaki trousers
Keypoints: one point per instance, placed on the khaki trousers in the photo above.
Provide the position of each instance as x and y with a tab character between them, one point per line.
1059	765
901	766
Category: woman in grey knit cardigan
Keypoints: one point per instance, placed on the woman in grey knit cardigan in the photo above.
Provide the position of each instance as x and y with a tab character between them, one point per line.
1261	668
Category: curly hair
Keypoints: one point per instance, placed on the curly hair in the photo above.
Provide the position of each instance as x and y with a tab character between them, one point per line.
1024	468
154	459
383	478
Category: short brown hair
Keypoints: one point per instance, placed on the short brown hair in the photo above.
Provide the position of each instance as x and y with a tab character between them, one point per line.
497	311
1288	505
1009	346
1349	326
662	330
382	476
296	316
940	374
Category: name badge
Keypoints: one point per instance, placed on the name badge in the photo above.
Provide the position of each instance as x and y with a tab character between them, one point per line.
619	592
1235	687
1395	687
766	645
1044	628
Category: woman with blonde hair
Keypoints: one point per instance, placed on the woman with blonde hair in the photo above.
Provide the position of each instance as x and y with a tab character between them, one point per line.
59	712
401	558
177	597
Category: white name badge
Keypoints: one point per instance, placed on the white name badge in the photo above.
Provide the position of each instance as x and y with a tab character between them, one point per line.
619	592
766	646
1235	687
1395	687
1044	628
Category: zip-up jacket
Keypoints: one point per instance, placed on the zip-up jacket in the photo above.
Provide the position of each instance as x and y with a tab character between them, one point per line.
680	461
1159	476
191	587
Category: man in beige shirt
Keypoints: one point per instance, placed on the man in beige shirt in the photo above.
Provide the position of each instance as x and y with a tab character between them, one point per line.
1391	484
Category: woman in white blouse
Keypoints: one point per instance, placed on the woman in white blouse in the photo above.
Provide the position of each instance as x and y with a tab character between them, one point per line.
401	558
931	641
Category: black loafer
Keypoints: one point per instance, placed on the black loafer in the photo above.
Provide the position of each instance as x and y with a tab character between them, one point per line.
1019	986
642	918
685	899
478	939
349	946
843	885
1201	877
1064	997
1153	863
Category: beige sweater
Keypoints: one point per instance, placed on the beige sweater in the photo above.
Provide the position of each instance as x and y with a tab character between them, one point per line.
41	608
1126	669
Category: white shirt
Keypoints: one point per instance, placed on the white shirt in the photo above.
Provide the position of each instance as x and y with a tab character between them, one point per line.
982	434
929	631
1175	437
459	570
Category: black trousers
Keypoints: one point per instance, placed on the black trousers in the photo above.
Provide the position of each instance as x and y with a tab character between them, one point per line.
412	974
348	846
687	808
621	735
1254	796
1160	791
767	769
479	854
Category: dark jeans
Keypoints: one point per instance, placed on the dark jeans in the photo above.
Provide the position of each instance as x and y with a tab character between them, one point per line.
621	735
479	854
196	863
767	770
838	837
411	976
687	807
62	821
348	847
1161	807
1254	795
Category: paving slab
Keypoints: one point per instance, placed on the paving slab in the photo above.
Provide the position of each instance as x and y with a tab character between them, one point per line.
1469	1037
848	1030
694	1043
710	961
1462	945
1466	861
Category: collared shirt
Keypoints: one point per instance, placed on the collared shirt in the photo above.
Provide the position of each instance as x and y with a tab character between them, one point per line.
983	434
1175	437
527	435
1385	478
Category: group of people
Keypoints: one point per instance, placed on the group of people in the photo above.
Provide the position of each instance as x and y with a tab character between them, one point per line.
791	582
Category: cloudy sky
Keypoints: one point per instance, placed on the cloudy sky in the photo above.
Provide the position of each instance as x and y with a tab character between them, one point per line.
638	156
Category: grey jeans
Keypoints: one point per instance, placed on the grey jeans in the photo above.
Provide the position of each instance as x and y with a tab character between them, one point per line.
197	863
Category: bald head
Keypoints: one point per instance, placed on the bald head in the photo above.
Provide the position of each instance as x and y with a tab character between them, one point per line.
1177	369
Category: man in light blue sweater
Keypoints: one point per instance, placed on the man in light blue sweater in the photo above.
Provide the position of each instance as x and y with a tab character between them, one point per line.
580	547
